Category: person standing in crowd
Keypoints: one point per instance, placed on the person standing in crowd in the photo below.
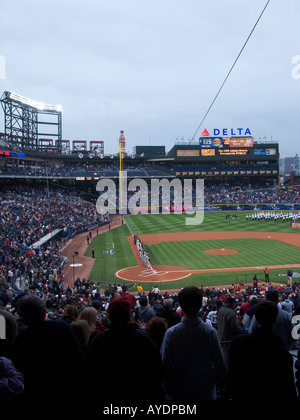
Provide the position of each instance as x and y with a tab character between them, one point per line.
297	371
89	314
169	313
70	313
289	276
155	292
212	315
283	325
253	300
146	312
191	353
227	324
132	368
156	329
287	304
140	290
11	380
255	281
47	354
262	350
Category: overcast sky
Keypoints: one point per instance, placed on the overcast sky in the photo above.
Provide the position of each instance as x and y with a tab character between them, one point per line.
152	68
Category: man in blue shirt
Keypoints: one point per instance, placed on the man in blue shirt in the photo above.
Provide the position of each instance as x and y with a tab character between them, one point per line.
191	353
146	312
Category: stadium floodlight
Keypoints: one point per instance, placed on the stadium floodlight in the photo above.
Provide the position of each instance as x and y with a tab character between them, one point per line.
23	127
34	104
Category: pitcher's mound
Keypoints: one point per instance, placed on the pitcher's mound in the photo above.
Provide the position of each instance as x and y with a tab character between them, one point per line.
222	251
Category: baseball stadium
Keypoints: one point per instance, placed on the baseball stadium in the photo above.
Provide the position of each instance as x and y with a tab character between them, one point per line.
250	217
79	223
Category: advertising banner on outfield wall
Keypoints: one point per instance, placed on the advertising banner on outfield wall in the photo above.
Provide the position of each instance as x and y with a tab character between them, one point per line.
261	206
296	225
225	173
240	207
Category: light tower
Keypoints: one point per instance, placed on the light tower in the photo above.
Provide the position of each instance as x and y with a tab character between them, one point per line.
25	121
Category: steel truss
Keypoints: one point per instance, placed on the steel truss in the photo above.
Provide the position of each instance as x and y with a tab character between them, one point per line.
22	124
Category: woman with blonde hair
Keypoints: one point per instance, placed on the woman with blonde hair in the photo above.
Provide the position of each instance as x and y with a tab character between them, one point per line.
89	314
82	331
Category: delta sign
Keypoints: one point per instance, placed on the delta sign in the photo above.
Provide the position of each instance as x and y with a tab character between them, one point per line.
227	132
214	141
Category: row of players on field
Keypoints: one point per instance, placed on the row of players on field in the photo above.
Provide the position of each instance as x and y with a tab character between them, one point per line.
272	215
144	255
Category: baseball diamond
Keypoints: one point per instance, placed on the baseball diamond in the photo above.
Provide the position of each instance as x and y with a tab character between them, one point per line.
193	254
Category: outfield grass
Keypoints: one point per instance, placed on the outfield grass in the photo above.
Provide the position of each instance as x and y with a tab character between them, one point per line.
106	265
251	252
190	254
213	221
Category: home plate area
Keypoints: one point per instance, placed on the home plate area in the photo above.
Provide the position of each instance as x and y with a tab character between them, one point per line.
156	273
150	272
164	273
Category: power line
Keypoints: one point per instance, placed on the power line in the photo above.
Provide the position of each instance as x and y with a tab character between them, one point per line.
232	67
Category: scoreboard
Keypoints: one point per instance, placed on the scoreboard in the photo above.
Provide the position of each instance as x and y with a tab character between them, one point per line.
226	146
226	152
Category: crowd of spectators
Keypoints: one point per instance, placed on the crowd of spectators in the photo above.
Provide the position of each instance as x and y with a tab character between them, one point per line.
226	193
273	196
235	191
154	346
255	193
71	169
27	215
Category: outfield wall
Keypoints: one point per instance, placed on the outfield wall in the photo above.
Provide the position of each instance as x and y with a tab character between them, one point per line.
211	207
254	207
242	206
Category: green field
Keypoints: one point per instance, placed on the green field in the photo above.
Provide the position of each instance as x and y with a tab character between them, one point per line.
213	221
190	254
251	252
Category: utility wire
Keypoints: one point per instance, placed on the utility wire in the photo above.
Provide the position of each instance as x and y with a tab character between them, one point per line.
232	67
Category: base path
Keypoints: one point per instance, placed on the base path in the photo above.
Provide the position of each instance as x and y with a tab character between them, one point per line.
165	273
156	238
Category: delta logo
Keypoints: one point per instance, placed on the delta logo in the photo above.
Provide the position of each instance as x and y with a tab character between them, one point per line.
205	133
227	132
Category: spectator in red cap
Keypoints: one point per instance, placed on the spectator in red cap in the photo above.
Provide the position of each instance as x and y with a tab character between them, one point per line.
124	350
120	308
